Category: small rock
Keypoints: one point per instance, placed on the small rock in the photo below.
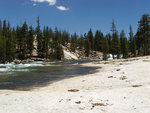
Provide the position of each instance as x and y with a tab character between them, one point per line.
97	104
78	102
2	66
123	78
17	61
61	100
83	80
82	108
110	77
73	90
68	99
136	85
118	70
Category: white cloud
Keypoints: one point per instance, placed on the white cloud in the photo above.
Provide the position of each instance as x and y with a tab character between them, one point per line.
51	2
34	4
62	8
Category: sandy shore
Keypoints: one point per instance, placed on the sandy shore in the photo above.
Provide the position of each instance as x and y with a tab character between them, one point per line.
121	86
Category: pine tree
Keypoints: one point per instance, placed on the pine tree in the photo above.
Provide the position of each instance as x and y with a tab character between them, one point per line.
143	35
19	42
91	39
115	41
126	48
58	51
113	28
116	45
124	45
30	40
81	42
134	47
105	48
39	39
24	33
54	44
2	49
132	42
46	42
131	34
65	38
122	36
98	42
87	46
13	44
10	45
51	44
73	46
109	37
4	31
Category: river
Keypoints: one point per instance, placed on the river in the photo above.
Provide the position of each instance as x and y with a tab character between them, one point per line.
38	74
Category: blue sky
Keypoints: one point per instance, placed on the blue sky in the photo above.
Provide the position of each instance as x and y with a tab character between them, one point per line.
76	15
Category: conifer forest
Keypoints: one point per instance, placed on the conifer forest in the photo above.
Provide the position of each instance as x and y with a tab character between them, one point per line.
18	43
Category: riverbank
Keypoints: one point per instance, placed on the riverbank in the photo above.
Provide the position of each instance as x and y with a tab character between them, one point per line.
119	86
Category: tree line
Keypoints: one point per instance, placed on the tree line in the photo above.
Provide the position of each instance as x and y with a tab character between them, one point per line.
18	43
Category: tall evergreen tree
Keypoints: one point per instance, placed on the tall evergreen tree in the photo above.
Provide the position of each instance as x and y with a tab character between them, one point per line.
13	45
131	36
46	41
98	42
64	38
109	37
143	35
115	41
132	42
58	51
10	45
124	45
91	39
115	45
113	27
81	42
30	41
87	46
39	38
2	49
24	33
105	48
4	31
73	45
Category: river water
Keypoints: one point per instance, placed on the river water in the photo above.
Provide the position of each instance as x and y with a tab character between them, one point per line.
38	74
